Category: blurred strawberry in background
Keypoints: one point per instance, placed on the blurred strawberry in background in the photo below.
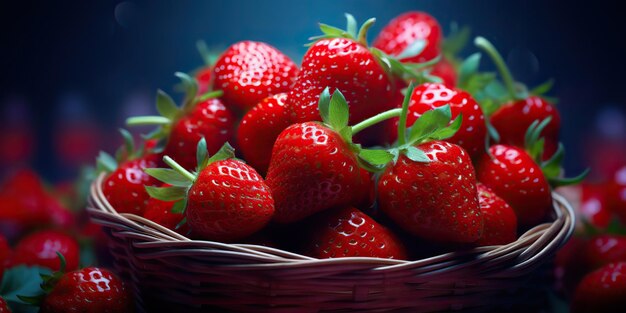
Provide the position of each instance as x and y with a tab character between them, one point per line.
17	134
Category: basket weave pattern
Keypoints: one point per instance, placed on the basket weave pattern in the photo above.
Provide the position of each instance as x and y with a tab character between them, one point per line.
162	265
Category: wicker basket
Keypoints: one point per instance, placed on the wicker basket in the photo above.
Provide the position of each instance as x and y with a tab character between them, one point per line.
170	272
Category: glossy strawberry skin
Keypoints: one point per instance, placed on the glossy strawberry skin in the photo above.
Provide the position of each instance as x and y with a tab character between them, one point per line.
250	71
312	169
513	119
349	232
161	213
403	30
125	189
40	248
603	290
603	249
593	207
91	289
228	201
446	71
259	129
471	135
500	219
436	200
203	77
344	64
209	120
515	177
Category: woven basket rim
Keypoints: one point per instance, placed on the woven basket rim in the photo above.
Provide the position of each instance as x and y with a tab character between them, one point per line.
154	235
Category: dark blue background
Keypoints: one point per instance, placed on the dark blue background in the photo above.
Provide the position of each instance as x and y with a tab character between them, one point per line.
103	60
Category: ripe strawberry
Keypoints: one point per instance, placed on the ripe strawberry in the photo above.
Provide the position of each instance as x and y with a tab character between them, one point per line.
204	76
428	96
593	205
520	109
603	249
90	289
4	307
341	61
260	127
198	117
161	212
603	290
41	249
226	200
349	232
446	71
515	177
315	166
404	30
250	71
500	219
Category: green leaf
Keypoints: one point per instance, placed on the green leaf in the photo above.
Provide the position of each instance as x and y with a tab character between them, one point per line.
169	176
167	193
179	206
558	182
226	152
552	167
456	40
492	132
202	154
368	166
210	95
338	111
536	149
323	104
166	105
449	131
129	142
106	162
22	281
430	121
543	88
375	156
417	155
190	86
362	35
346	134
352	25
331	31
496	90
469	67
413	49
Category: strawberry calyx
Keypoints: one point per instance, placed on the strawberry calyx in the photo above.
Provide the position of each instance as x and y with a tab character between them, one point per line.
169	112
47	284
180	179
552	168
127	152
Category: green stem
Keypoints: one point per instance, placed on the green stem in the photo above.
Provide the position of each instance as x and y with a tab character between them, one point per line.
362	38
375	120
147	120
486	46
403	115
169	161
210	95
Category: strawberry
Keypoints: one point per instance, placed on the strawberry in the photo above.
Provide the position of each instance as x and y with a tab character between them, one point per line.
315	166
340	60
515	177
446	71
428	96
224	200
603	249
161	213
349	232
430	188
407	29
124	185
204	77
4	307
250	71
500	219
259	128
41	249
198	117
520	109
603	290
593	205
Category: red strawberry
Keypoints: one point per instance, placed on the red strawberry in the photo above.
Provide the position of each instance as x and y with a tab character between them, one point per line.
348	232
90	289
41	249
515	177
198	117
4	307
568	267
603	290
500	219
405	30
226	200
471	136
161	213
250	71
204	76
436	198
259	129
616	194
124	187
344	64
604	249
593	205
446	71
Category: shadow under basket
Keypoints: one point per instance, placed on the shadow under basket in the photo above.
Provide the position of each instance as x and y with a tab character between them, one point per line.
169	272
